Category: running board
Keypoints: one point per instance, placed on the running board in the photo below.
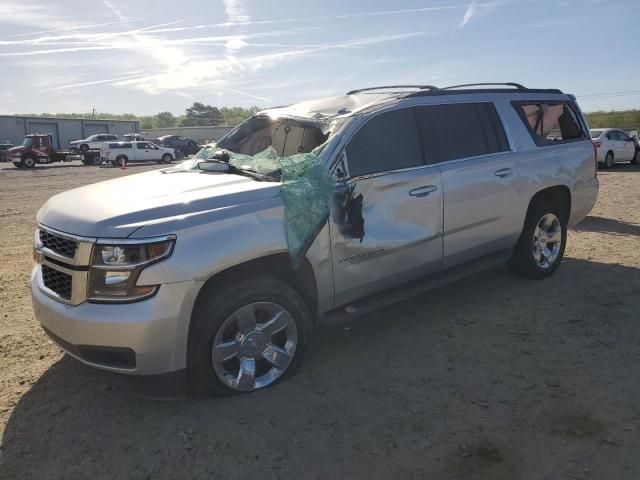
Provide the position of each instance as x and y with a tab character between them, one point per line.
379	300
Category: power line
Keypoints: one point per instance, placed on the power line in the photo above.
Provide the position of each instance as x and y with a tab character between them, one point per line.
624	93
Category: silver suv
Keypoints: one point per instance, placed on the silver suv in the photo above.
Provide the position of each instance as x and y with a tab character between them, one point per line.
222	266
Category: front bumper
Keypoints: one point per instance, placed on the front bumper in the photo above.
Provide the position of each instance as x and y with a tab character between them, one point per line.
156	329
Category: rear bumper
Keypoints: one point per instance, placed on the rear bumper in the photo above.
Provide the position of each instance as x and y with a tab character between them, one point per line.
144	338
583	199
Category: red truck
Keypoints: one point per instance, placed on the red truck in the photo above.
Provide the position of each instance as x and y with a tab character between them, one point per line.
38	148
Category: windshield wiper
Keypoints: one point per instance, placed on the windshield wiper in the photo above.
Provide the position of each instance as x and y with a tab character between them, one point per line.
226	167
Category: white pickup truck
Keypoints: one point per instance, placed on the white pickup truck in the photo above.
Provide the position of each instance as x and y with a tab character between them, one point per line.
119	152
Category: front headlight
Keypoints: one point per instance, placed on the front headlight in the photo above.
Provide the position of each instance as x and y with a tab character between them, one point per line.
116	266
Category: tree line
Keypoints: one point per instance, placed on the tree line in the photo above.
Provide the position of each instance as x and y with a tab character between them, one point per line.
196	115
627	119
200	114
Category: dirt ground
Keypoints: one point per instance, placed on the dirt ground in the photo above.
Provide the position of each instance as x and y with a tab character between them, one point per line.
494	377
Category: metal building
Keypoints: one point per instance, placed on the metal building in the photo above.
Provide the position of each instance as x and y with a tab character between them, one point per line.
13	128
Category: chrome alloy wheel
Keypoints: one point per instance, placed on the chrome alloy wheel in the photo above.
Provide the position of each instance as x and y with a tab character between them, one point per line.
547	240
254	346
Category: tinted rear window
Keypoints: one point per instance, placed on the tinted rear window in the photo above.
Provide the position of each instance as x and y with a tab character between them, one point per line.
119	145
550	122
460	130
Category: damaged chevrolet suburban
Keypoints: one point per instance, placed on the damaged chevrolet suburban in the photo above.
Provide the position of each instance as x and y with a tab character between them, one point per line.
221	267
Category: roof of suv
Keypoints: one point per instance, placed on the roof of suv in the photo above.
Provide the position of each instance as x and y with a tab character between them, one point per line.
357	100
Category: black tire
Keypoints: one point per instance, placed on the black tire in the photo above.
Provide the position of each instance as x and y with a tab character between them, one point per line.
167	158
523	261
84	148
210	314
608	160
18	164
634	160
28	162
119	160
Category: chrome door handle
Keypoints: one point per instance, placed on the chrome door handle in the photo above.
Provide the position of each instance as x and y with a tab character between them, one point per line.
504	172
423	191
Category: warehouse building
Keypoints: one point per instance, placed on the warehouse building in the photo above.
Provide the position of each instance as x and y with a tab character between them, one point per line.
14	128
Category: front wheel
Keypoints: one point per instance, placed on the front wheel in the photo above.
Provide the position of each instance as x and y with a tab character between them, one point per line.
167	158
634	160
247	336
28	162
540	249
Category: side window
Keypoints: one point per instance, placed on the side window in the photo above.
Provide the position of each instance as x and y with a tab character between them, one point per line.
460	130
141	146
623	136
388	141
550	122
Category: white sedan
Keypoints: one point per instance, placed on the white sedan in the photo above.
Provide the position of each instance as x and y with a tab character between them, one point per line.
613	146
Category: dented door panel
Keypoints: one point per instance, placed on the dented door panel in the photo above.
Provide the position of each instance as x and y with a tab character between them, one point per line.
479	214
401	233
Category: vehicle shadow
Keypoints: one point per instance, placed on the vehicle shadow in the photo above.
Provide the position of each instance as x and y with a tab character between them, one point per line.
620	167
607	225
393	394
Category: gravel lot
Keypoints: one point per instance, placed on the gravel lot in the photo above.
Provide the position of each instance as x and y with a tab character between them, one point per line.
494	377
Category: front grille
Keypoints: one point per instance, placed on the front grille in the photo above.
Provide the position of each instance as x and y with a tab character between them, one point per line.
58	282
60	245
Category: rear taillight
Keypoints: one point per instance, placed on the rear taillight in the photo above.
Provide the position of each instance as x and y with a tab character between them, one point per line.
596	146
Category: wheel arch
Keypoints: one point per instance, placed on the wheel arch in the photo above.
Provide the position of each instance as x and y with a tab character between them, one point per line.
557	194
302	279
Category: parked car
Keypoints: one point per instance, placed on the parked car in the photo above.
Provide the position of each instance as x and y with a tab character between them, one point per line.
130	137
393	187
184	145
125	152
93	142
614	146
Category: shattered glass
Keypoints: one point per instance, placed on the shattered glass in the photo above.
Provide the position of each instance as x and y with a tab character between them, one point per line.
307	188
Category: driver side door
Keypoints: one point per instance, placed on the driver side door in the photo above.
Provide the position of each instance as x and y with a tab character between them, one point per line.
387	218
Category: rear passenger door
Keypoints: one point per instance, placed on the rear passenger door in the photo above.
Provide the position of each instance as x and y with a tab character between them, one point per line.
628	148
386	221
468	143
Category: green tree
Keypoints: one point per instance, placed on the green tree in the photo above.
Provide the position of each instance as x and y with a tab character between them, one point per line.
232	116
164	120
146	122
200	114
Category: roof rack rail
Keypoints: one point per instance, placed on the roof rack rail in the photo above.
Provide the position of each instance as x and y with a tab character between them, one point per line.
384	87
509	84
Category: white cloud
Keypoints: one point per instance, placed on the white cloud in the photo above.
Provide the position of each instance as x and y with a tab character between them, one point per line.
469	13
236	11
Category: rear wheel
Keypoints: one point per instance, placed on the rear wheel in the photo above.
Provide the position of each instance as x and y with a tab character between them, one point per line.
121	160
540	249
247	336
608	160
28	162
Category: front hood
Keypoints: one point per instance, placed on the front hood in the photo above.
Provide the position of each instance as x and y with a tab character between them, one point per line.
116	208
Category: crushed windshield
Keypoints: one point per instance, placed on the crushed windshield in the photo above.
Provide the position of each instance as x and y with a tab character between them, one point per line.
28	141
289	148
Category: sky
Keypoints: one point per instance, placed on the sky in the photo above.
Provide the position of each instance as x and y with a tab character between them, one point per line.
147	56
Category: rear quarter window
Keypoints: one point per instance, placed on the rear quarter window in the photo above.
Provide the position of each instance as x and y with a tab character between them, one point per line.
550	123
